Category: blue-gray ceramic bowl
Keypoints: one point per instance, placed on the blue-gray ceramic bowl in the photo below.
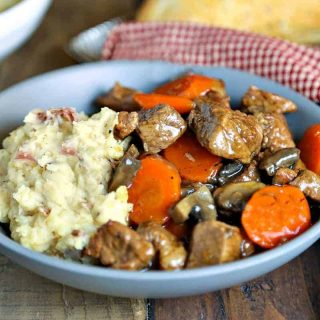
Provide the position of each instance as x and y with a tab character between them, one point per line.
78	86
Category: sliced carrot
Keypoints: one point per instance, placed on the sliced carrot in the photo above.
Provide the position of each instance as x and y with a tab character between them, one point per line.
148	101
194	162
310	148
275	214
155	188
191	86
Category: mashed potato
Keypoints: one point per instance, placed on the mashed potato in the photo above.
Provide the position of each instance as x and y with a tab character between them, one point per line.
54	173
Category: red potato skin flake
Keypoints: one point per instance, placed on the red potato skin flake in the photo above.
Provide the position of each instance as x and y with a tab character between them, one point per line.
69	151
67	113
22	155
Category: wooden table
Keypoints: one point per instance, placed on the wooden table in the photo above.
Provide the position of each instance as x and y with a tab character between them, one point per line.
291	292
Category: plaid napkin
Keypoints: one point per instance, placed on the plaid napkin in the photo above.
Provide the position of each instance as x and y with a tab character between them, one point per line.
291	64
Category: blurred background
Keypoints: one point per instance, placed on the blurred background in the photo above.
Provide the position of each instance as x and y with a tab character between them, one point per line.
60	20
295	20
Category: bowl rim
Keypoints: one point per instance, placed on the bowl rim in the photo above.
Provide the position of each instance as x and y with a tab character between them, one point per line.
310	235
214	270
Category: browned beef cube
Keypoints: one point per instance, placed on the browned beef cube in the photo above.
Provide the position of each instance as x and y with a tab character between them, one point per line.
119	98
172	254
214	242
256	100
127	123
120	247
224	132
309	183
276	133
160	127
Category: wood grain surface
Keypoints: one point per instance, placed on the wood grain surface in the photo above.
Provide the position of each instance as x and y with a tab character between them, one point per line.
291	292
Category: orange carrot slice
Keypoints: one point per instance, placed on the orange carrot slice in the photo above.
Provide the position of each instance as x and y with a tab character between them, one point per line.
155	188
310	148
194	162
148	101
275	214
191	86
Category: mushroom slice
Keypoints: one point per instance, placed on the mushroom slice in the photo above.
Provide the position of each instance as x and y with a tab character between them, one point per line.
188	189
126	170
230	171
283	158
232	198
132	152
202	199
214	242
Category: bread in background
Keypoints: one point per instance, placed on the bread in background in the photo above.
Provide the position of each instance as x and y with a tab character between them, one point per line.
295	20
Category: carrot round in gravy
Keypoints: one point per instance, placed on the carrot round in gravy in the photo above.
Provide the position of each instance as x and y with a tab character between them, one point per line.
310	148
150	100
194	162
275	214
191	86
155	188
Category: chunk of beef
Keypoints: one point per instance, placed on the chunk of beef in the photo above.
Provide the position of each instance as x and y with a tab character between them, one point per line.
309	183
224	132
256	100
214	242
284	176
127	123
219	101
172	254
120	247
250	173
119	98
276	133
160	127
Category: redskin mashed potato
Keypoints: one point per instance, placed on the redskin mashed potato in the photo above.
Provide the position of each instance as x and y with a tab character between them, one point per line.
54	172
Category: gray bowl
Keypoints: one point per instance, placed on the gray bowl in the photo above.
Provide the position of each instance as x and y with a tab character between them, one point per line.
78	86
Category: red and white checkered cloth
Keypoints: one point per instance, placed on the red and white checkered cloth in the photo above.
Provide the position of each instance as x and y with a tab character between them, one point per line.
291	64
